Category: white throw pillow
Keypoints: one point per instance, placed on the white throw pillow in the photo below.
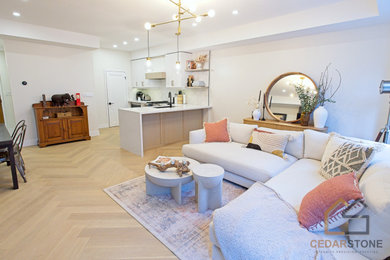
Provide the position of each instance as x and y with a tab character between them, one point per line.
315	144
295	143
241	133
375	185
271	143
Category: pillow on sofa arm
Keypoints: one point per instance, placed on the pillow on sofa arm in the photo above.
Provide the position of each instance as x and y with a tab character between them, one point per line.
323	207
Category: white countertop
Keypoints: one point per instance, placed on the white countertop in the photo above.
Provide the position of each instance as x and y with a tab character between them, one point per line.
153	110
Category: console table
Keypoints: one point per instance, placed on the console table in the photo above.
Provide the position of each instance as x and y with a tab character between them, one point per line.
281	125
53	129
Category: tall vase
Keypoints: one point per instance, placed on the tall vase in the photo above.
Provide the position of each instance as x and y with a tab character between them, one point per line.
256	114
305	118
320	116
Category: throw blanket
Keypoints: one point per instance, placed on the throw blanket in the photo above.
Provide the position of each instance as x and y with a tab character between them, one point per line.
260	225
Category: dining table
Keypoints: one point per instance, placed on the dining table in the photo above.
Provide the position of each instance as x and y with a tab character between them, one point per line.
7	142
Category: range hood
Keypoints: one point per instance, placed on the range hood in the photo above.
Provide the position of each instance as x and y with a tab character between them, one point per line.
155	75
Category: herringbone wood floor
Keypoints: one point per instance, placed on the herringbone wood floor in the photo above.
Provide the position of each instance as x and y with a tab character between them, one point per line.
62	211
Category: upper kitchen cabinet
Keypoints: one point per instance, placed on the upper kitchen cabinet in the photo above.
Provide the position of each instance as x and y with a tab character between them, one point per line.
138	69
145	77
176	78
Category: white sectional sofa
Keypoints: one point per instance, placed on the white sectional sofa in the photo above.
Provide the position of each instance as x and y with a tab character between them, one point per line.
295	176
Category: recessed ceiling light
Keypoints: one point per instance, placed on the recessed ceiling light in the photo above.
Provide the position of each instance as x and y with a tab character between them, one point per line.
235	12
125	43
211	13
17	14
194	24
115	46
136	39
283	90
291	95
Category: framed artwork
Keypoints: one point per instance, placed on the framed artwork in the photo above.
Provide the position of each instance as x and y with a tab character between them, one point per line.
190	65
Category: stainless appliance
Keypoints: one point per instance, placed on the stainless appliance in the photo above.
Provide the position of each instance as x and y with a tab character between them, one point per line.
139	96
147	103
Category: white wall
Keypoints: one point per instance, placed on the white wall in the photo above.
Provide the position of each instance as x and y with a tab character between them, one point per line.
361	55
106	60
51	69
48	70
6	94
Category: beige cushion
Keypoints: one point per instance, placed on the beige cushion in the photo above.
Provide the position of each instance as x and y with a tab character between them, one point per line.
315	144
234	157
295	142
240	133
270	143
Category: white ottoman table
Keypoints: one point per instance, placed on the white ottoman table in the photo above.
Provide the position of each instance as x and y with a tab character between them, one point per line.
169	181
208	183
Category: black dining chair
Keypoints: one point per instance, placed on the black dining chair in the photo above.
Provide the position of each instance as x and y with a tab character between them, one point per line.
18	140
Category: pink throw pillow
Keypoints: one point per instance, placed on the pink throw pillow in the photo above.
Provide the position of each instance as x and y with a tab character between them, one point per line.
333	198
217	132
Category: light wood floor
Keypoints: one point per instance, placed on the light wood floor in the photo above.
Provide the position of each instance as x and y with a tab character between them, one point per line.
62	211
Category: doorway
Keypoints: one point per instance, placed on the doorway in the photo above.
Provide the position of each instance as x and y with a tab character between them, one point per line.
117	95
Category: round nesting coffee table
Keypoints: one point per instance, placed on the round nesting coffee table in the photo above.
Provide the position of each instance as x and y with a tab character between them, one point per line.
208	182
169	181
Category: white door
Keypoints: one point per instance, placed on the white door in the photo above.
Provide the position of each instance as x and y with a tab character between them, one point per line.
116	95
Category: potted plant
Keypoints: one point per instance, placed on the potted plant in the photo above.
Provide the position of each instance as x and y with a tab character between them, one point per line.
308	99
325	94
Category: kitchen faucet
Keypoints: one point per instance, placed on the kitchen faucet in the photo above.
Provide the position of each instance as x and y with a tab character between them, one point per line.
170	99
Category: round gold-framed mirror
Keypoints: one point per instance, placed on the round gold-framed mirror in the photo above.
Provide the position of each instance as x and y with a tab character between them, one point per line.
281	100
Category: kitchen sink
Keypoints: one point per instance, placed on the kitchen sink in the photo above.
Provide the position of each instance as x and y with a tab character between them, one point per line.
164	106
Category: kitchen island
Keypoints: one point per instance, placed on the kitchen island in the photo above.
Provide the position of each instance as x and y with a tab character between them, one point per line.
144	128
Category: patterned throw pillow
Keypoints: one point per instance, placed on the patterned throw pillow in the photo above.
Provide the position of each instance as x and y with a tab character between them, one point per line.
268	142
348	157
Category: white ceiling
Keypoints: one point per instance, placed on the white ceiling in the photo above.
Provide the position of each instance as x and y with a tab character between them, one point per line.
116	21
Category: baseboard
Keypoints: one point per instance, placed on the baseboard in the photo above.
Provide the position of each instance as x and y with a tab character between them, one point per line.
94	133
30	142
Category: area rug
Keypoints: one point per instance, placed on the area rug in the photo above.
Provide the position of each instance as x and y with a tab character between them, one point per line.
179	227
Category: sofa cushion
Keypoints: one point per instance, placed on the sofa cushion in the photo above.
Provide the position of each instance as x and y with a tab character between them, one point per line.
241	133
375	185
296	181
295	143
315	144
234	157
342	156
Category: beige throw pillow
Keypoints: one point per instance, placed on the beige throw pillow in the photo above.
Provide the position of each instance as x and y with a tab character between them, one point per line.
270	142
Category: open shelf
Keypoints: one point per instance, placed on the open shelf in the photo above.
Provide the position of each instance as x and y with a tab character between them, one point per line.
206	87
196	70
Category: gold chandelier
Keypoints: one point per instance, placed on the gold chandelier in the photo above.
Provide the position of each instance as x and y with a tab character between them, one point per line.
183	14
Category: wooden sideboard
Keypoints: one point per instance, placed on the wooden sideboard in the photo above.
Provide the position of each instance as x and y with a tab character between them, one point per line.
53	130
281	125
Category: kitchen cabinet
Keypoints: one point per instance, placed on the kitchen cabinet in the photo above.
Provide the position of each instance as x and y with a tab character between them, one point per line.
138	73
138	70
176	78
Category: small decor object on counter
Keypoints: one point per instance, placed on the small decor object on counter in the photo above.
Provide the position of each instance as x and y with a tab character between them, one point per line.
44	103
325	94
200	61
256	113
308	99
180	97
163	163
60	99
78	101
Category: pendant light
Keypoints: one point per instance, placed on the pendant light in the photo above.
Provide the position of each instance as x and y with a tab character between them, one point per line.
178	54
148	59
